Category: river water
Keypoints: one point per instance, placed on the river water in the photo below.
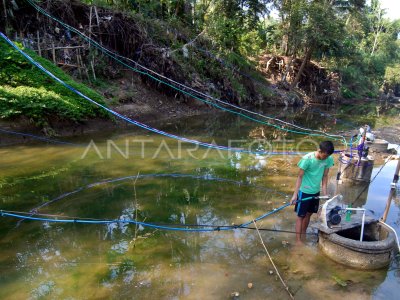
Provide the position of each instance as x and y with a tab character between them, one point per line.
134	174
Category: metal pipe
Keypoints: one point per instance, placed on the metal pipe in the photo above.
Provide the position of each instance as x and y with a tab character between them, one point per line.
362	226
363	220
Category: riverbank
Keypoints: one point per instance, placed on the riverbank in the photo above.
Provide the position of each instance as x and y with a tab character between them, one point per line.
158	56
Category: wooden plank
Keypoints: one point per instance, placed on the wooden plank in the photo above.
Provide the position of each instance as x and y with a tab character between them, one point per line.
68	65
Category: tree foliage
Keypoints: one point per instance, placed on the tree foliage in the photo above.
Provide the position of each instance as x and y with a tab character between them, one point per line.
350	36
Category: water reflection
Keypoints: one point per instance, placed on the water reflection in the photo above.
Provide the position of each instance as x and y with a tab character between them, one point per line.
46	260
355	194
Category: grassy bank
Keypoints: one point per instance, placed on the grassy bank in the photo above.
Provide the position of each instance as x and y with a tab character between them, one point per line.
25	91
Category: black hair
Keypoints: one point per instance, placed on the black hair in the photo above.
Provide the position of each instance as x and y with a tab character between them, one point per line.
326	147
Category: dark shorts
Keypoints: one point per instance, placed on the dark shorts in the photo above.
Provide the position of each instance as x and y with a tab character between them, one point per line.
306	206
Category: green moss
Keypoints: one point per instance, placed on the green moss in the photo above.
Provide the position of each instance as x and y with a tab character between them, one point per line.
27	91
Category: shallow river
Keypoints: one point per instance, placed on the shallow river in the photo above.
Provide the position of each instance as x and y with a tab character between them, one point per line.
144	176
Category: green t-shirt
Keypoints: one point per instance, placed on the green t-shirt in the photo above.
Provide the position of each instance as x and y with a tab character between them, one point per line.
313	172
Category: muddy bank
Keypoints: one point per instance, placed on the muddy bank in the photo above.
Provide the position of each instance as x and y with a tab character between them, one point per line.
147	47
390	133
139	112
130	98
133	98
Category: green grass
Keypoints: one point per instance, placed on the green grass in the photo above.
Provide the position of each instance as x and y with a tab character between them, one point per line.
26	91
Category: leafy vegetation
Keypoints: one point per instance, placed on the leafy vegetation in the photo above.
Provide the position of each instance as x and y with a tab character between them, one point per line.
352	37
27	91
392	75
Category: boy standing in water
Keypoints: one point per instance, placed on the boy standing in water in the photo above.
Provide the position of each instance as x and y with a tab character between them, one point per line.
314	168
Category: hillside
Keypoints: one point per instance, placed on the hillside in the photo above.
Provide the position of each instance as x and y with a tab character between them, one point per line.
150	62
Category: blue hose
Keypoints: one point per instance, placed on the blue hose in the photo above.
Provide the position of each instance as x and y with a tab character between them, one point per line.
206	228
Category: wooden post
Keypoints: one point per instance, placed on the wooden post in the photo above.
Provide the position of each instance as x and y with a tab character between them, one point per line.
78	62
98	21
388	203
21	38
97	16
90	22
86	71
396	173
92	65
53	51
38	43
392	191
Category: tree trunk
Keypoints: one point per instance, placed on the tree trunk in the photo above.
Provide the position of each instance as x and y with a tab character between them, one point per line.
378	31
303	64
287	69
285	44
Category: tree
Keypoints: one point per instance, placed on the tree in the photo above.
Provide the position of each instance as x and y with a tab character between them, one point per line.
320	29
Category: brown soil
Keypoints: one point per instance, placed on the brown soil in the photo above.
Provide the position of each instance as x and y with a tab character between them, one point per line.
148	43
140	102
316	84
137	97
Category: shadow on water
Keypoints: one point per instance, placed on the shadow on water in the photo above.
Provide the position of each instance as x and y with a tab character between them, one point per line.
50	260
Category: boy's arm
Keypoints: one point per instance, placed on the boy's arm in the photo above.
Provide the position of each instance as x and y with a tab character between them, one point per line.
297	187
325	182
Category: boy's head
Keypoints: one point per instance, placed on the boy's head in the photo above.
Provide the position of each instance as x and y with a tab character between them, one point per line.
325	149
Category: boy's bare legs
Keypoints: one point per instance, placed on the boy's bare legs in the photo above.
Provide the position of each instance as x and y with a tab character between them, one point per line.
306	221
301	228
